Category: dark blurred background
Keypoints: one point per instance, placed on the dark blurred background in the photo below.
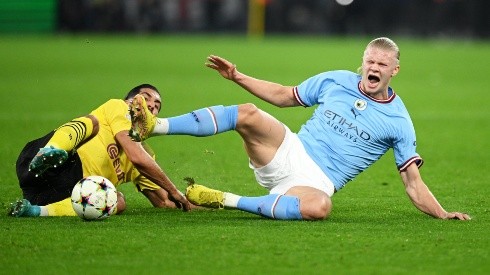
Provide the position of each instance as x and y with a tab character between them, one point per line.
418	18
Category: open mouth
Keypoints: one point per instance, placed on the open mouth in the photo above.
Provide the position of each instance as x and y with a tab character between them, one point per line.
373	79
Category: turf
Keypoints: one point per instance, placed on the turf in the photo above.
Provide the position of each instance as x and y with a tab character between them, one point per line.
373	229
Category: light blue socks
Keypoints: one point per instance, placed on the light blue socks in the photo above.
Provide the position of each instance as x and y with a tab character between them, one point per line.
217	119
273	206
204	122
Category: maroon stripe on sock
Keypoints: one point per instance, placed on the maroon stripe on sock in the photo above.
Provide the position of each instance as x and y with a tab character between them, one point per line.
215	122
273	208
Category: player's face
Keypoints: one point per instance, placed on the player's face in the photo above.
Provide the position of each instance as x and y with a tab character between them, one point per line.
153	100
378	67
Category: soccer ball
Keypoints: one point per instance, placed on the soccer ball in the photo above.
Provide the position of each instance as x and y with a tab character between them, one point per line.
94	198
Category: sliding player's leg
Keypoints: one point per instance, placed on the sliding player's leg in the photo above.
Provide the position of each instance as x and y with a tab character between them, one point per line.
65	139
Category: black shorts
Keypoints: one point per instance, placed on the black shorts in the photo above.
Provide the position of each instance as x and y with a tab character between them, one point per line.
55	184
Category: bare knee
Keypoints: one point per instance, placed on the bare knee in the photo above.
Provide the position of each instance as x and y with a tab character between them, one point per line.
248	114
316	207
121	203
313	203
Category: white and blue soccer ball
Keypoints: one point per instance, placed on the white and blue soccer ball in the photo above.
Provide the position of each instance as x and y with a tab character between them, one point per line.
94	198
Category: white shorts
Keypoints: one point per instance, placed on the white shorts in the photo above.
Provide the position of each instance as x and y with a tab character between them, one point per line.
292	166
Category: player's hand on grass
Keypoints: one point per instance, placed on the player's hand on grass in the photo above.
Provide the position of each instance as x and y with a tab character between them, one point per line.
457	216
223	66
180	200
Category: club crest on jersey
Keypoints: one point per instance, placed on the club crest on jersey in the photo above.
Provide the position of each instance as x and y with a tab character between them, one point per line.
360	104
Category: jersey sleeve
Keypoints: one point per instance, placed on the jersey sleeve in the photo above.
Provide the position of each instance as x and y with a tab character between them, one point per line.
116	115
308	92
404	148
113	116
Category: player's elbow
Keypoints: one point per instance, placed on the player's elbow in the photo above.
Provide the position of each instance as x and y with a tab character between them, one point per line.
411	192
415	196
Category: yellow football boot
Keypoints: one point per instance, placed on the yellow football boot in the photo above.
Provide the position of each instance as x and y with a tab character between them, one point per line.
142	120
204	196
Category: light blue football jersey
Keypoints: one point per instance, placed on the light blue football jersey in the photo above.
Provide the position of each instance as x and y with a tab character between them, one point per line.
350	130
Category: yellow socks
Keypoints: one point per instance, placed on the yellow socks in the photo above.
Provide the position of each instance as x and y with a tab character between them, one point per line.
69	135
61	208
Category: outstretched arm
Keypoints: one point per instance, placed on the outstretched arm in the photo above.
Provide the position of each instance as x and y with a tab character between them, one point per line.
423	199
148	167
274	93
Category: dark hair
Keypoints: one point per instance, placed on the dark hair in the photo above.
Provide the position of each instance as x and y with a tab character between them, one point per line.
136	90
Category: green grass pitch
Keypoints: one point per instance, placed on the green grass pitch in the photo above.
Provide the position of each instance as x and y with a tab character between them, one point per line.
373	229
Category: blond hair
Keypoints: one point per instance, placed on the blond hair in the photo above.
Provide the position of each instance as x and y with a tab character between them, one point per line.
385	43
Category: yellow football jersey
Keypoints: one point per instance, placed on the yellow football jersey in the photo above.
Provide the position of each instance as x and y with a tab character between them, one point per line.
103	156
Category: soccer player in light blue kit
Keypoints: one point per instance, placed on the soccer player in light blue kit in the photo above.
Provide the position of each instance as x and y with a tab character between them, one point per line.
357	120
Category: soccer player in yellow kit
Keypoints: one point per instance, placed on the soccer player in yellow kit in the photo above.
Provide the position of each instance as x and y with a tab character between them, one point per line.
98	144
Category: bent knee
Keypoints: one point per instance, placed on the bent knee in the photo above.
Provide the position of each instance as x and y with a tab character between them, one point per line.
318	208
121	203
247	113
